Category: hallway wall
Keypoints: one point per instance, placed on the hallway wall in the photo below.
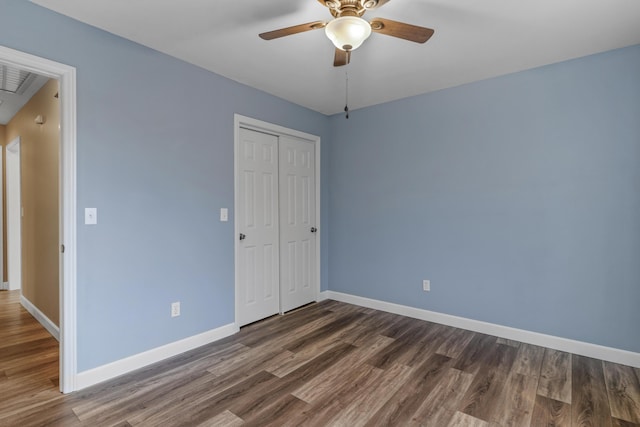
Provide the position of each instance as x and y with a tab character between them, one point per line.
3	142
40	223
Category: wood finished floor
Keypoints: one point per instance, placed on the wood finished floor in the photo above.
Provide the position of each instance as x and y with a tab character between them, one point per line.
326	364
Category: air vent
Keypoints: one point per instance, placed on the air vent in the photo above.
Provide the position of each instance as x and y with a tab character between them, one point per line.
14	80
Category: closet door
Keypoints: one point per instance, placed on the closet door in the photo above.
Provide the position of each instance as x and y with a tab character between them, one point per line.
297	222
258	254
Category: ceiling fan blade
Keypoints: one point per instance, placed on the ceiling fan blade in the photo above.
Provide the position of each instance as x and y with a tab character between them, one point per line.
401	30
341	58
270	35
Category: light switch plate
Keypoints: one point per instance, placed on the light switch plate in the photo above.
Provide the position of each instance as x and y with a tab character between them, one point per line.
90	216
224	214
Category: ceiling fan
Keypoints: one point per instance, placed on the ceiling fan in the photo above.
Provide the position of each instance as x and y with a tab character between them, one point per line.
348	30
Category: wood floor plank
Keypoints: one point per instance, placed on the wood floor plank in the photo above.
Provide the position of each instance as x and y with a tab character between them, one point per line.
506	341
590	404
44	414
327	331
423	346
333	378
318	414
621	423
292	326
18	351
412	346
372	396
198	406
515	406
134	405
475	353
93	400
387	356
248	407
529	360
322	410
550	413
360	333
399	409
224	419
397	326
277	413
442	402
555	376
352	382
24	406
455	343
483	397
297	359
244	357
463	420
623	390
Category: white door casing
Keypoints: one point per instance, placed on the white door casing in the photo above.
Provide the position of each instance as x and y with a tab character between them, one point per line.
14	216
258	216
312	243
66	76
297	223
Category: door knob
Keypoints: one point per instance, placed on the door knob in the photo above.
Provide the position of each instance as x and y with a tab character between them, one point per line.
242	236
313	229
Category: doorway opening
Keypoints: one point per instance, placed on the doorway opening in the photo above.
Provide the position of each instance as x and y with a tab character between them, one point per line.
66	77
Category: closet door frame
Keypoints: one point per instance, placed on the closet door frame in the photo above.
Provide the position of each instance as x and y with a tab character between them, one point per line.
241	121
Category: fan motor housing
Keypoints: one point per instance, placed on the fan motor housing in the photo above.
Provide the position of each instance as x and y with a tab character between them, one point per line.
340	8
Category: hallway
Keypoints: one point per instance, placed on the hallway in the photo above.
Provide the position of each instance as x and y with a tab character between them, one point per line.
28	358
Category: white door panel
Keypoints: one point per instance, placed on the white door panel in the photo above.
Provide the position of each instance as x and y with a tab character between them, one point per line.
297	222
259	252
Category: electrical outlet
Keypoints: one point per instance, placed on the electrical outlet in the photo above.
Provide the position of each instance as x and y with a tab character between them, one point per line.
426	285
175	309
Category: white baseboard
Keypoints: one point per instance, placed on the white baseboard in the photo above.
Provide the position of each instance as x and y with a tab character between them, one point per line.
4	286
140	360
323	295
51	327
595	351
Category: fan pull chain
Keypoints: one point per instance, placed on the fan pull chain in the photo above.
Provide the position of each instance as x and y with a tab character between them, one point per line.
346	103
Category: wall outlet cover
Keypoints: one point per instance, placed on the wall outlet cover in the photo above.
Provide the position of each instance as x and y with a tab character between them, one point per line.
175	309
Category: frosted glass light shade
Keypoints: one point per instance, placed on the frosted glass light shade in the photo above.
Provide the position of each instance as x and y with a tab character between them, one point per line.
348	32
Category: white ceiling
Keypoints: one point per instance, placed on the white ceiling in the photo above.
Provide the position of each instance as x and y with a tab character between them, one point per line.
12	101
473	40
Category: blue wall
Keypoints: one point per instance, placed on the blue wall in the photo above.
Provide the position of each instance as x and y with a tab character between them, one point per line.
518	197
155	156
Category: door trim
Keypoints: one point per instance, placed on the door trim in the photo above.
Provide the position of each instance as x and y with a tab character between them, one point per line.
240	121
66	76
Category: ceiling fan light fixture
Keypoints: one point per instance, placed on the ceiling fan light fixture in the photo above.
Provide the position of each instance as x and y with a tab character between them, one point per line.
348	32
